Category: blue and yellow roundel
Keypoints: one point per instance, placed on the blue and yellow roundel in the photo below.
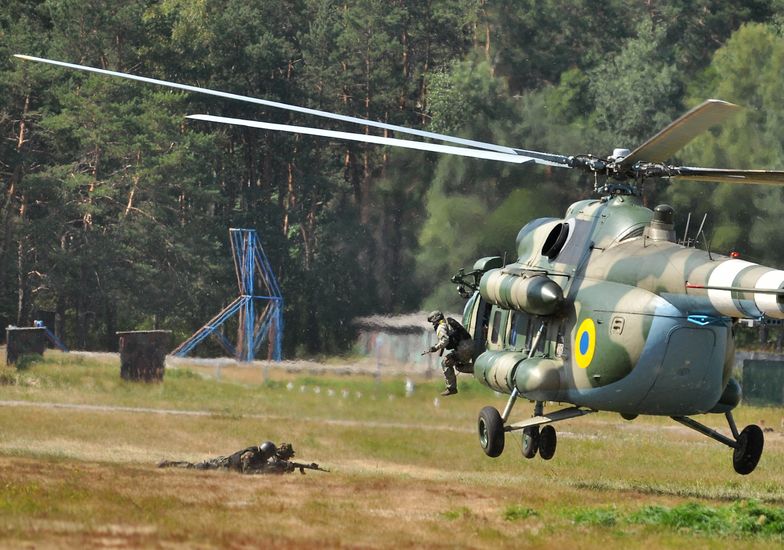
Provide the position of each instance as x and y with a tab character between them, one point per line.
585	343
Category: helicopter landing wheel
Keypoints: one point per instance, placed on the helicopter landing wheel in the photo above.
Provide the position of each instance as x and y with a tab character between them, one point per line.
547	442
749	450
491	432
530	441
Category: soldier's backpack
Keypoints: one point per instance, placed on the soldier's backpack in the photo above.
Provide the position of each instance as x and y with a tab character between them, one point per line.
457	333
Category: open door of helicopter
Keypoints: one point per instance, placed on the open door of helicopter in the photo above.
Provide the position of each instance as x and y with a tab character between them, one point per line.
476	320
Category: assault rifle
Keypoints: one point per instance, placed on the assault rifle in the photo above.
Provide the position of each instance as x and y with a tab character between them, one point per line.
302	467
278	466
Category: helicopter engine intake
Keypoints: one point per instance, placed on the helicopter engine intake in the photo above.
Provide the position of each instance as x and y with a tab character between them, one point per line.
535	294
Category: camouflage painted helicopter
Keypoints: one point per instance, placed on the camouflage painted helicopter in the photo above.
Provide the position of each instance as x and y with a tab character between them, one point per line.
603	310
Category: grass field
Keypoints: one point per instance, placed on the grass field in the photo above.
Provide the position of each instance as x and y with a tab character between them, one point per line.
78	449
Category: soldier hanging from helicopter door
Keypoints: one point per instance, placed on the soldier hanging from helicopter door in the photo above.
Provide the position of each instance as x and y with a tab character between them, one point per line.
451	336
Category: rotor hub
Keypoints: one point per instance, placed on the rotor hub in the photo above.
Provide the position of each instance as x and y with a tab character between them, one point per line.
619	153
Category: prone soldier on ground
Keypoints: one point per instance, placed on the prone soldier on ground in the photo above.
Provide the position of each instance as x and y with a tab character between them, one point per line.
265	458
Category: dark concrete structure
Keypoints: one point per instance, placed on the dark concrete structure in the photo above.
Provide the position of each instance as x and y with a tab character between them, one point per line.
23	341
143	354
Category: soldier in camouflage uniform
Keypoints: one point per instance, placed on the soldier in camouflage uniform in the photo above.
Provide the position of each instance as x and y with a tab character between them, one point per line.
264	459
453	337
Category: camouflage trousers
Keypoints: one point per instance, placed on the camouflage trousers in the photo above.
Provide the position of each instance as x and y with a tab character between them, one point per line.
457	359
221	462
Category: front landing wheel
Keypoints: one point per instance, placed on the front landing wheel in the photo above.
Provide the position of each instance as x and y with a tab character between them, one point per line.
749	449
491	432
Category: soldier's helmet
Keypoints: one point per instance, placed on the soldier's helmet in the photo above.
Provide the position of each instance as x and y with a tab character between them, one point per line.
435	316
267	449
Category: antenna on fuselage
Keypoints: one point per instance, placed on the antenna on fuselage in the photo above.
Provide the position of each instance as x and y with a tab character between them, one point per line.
705	237
685	239
697	236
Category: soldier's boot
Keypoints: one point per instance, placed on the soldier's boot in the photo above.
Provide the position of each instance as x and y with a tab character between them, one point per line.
449	391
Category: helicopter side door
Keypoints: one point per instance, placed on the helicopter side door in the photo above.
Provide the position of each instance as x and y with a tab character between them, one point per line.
476	319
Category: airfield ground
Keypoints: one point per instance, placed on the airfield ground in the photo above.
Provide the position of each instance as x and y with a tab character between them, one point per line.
78	449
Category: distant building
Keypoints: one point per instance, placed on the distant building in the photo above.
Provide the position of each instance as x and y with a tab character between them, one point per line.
398	339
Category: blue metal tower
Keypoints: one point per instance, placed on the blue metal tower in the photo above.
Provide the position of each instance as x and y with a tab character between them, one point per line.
259	307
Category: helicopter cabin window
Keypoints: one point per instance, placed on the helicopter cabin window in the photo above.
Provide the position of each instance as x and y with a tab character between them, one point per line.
532	330
519	329
495	327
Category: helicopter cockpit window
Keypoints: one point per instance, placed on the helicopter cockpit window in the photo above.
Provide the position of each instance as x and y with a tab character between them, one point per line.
636	232
555	241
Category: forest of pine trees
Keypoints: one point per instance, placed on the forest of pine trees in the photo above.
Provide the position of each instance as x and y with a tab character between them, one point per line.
115	209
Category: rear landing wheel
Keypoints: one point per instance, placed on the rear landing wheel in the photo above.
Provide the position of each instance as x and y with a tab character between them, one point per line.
547	442
749	449
491	432
530	441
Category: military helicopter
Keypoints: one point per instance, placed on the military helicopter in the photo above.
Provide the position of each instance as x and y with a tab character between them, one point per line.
603	310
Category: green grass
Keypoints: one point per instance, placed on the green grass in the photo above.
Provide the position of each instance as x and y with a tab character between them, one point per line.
743	519
603	517
516	512
75	476
459	513
737	519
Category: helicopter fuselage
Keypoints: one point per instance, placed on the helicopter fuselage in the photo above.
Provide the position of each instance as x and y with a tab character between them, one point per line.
630	320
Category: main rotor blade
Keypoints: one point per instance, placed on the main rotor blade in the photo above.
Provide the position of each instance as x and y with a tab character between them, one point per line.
554	159
761	177
279	105
405	143
680	132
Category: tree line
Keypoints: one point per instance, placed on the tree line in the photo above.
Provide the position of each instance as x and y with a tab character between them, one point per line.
115	208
